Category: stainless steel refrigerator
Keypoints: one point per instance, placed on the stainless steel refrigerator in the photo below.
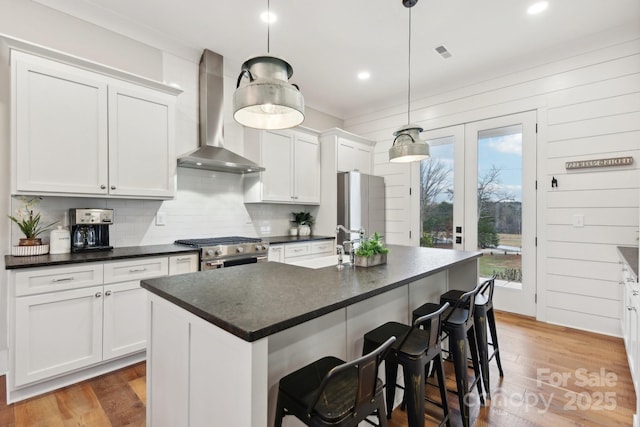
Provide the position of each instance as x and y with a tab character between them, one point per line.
360	204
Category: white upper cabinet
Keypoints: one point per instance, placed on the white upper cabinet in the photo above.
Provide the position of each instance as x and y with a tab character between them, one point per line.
291	159
354	156
84	133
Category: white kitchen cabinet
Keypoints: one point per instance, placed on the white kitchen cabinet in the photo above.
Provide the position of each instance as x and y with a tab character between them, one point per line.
56	333
276	253
354	156
69	323
181	264
79	132
630	319
291	159
340	151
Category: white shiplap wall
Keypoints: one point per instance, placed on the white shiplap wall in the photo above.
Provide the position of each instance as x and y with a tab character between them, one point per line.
588	107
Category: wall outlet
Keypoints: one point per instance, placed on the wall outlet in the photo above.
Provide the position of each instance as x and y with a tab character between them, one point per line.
161	218
578	220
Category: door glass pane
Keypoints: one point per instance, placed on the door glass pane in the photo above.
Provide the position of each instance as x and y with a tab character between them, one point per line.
500	204
436	195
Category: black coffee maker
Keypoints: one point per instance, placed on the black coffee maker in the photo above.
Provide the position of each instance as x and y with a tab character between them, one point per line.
90	229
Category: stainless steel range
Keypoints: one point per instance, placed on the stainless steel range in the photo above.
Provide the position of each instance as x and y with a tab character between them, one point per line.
218	252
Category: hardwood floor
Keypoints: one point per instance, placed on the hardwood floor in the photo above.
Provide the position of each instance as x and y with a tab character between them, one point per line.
554	376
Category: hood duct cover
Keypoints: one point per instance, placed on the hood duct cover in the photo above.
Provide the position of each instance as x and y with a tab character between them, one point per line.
211	155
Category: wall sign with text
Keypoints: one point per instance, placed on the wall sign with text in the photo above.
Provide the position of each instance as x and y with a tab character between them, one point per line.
599	163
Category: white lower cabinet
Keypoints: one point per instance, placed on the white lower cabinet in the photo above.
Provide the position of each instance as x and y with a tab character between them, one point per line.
300	251
69	323
56	333
630	319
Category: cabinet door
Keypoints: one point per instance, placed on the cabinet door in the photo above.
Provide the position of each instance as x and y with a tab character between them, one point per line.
306	169
181	264
56	333
276	253
141	143
60	134
363	159
277	159
346	155
125	319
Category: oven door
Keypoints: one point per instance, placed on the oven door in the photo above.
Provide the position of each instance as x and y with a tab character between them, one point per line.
220	263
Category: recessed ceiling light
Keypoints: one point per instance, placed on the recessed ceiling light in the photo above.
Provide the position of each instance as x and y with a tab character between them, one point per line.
537	7
364	75
268	17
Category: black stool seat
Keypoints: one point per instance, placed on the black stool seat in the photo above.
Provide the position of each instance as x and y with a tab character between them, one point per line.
414	349
332	392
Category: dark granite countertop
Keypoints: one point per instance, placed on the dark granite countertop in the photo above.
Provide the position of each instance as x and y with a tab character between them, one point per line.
256	300
14	262
274	240
630	255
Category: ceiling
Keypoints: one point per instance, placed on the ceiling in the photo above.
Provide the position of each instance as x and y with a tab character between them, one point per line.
329	41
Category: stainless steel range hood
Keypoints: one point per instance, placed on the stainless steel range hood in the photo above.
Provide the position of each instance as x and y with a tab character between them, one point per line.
211	155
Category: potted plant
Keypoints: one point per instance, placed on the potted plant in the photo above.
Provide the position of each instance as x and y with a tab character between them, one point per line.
29	223
371	252
304	220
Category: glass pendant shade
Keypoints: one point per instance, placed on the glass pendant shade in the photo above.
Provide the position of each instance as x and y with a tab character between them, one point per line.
266	99
407	146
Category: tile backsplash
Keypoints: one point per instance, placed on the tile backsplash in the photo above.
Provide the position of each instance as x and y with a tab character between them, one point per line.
208	204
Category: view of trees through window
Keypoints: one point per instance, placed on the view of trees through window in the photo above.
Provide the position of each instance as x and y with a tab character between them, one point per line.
499	197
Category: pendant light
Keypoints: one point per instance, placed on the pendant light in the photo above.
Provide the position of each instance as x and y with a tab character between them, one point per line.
266	99
407	146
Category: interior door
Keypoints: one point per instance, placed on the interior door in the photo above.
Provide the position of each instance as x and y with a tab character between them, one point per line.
478	193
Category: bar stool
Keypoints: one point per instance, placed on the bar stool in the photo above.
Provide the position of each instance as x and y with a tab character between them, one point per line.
414	349
483	313
331	392
458	325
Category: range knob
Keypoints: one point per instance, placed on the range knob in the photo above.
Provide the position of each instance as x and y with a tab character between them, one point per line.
239	249
259	248
210	252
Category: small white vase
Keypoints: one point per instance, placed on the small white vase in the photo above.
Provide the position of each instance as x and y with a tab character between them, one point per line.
304	230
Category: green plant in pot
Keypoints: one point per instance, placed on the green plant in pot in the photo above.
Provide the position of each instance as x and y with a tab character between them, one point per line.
29	223
304	220
371	252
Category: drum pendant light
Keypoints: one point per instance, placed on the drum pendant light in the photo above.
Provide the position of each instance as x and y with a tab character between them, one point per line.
407	146
264	98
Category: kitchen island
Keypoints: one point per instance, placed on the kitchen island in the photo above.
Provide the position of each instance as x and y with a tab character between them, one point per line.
220	340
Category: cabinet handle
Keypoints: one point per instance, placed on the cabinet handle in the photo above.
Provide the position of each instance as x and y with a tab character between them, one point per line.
113	187
182	259
630	280
64	279
98	294
137	270
630	308
107	293
635	293
102	187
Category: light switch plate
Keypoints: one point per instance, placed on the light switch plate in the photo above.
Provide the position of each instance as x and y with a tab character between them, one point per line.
578	220
161	218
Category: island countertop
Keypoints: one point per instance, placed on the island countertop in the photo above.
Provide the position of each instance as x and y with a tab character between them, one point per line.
256	300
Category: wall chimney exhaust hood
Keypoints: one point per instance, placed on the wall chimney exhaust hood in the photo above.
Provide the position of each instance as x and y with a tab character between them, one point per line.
211	155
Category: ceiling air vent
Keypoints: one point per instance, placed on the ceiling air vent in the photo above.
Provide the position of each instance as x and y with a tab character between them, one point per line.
443	52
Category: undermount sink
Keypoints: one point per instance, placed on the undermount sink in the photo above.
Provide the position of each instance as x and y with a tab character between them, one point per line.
320	262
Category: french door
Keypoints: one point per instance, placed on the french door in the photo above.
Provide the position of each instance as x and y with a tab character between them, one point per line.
477	192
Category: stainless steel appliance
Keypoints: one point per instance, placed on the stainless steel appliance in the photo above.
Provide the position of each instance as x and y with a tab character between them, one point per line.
361	204
90	229
219	252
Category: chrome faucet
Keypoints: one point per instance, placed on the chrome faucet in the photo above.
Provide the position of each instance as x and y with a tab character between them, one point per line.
352	252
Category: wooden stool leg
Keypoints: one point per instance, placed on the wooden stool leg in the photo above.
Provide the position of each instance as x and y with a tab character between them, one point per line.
494	338
480	322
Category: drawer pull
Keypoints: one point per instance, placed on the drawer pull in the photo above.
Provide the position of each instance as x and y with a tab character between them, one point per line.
107	293
137	270
98	294
182	259
630	308
64	279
